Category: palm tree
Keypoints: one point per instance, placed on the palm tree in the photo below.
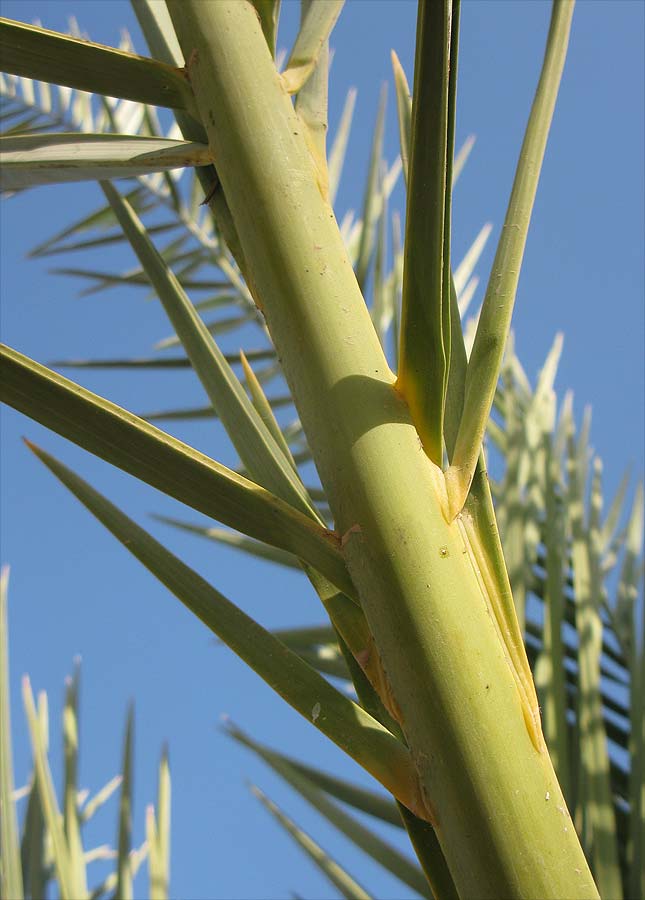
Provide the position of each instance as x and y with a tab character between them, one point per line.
401	539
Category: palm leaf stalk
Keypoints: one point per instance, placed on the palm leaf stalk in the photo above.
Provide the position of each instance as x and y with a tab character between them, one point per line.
403	554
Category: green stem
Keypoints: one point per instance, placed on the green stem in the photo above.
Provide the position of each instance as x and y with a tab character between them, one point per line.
495	800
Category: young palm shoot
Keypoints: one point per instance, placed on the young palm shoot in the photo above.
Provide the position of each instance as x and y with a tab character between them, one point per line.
485	360
424	354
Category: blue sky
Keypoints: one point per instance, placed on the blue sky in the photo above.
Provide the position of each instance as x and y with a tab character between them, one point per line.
74	591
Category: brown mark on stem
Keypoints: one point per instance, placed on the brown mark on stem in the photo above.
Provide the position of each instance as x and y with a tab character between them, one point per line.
355	529
428	813
192	59
369	659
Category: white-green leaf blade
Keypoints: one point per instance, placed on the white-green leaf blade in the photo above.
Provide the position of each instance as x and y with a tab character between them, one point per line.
36	871
100	798
151	362
371	197
327	658
238	541
154	362
597	805
36	159
627	592
636	852
339	146
511	506
462	157
382	309
158	833
404	109
70	797
550	676
51	812
185	414
613	514
101	241
99	219
154	19
10	871
627	607
466	296
466	267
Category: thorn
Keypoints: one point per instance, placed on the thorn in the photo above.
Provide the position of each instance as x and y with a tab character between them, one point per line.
209	196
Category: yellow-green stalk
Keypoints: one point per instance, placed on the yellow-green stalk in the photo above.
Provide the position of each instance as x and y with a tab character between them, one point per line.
492	796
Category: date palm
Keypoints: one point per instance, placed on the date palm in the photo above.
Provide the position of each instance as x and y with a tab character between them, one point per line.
401	540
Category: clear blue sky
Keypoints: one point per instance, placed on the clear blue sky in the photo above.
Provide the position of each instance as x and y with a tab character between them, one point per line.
75	591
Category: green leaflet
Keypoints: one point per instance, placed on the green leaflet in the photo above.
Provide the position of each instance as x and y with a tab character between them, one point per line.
165	463
367	801
257	447
381	851
61	59
342	880
343	721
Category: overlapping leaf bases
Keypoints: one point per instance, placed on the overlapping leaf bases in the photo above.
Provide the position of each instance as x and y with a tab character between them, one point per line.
576	568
